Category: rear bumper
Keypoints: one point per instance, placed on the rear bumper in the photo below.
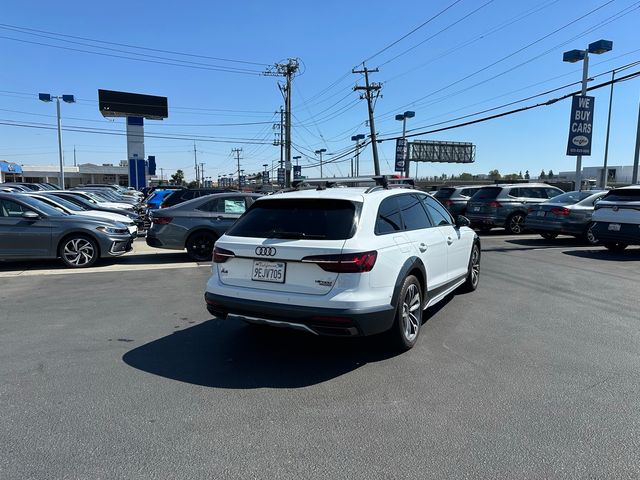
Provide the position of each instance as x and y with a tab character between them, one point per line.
321	321
629	233
480	220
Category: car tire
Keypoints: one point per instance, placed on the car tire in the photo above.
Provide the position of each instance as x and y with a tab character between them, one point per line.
515	223
589	237
473	275
549	236
408	320
615	246
79	251
199	246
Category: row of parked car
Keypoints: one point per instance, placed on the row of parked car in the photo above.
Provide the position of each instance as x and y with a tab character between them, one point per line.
610	217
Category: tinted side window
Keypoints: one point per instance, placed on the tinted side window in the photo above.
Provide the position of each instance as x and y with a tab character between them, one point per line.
517	192
437	212
552	192
468	192
413	213
389	219
232	205
210	206
10	209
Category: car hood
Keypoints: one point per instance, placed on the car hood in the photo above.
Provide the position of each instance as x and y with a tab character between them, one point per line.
116	217
89	222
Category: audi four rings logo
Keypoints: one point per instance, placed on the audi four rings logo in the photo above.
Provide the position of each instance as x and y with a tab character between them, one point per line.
266	251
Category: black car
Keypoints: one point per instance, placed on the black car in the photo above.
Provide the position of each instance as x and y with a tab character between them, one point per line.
180	196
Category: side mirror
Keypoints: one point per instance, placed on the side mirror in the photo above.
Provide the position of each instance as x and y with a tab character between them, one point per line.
462	221
29	215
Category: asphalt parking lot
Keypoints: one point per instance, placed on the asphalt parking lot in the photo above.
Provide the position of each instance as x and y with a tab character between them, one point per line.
119	372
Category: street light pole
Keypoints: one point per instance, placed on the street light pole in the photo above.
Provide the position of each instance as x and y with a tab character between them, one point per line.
585	78
605	175
403	117
46	97
356	167
321	151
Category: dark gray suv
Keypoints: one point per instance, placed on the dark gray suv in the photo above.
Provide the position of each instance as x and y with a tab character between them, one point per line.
507	205
456	199
31	229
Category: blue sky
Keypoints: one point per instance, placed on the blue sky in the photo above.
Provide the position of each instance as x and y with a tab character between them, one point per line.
330	38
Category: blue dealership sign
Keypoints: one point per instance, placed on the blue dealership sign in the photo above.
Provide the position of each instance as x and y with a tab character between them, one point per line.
8	167
581	125
297	171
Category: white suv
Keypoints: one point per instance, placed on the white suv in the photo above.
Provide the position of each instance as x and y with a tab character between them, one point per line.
616	219
343	261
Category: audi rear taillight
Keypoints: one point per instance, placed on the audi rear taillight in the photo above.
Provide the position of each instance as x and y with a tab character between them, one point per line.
161	220
495	204
345	263
221	255
562	211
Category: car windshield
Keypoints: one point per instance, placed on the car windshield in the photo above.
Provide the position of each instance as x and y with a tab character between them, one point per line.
43	207
623	195
66	203
444	193
570	198
486	193
297	219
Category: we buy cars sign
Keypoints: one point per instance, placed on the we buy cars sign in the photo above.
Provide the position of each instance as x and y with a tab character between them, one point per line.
581	125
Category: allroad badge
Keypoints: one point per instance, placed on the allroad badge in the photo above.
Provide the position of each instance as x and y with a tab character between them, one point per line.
266	251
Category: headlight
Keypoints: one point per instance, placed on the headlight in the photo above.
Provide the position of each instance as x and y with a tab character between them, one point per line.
113	230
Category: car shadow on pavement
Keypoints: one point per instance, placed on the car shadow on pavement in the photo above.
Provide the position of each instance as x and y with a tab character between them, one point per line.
127	259
629	255
232	354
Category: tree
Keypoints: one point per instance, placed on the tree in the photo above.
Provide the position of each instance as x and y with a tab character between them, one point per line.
520	175
543	175
550	175
510	177
526	175
192	184
495	175
178	178
466	176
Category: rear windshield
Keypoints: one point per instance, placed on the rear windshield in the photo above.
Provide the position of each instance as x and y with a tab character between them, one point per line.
487	193
444	193
298	219
626	195
570	198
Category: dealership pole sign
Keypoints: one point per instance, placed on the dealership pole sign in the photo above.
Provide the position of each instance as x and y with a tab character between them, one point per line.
581	125
401	154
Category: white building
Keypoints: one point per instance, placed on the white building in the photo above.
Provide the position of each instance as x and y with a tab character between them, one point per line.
82	174
617	174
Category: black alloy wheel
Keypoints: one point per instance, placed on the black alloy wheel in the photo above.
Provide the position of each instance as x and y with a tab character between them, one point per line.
200	246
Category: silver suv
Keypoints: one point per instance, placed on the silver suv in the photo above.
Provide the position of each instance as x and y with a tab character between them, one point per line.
507	205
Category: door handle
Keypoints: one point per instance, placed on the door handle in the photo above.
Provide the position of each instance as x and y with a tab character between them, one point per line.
422	247
449	240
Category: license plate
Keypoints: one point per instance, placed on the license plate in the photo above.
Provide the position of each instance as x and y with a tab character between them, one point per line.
476	209
541	214
614	227
268	271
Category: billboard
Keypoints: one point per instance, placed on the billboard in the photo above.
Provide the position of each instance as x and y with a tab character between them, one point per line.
580	125
442	152
124	104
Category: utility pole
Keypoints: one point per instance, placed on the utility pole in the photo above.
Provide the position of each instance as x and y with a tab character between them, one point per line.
287	70
636	157
371	92
281	138
162	175
202	174
74	156
195	161
237	151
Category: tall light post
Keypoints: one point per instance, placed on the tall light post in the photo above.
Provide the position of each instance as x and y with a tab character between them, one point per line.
46	97
572	56
355	169
403	118
320	152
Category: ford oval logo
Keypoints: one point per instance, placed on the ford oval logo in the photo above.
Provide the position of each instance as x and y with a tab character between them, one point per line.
266	251
580	141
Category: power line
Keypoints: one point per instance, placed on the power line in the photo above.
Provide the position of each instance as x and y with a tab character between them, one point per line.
171	63
423	24
26	30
